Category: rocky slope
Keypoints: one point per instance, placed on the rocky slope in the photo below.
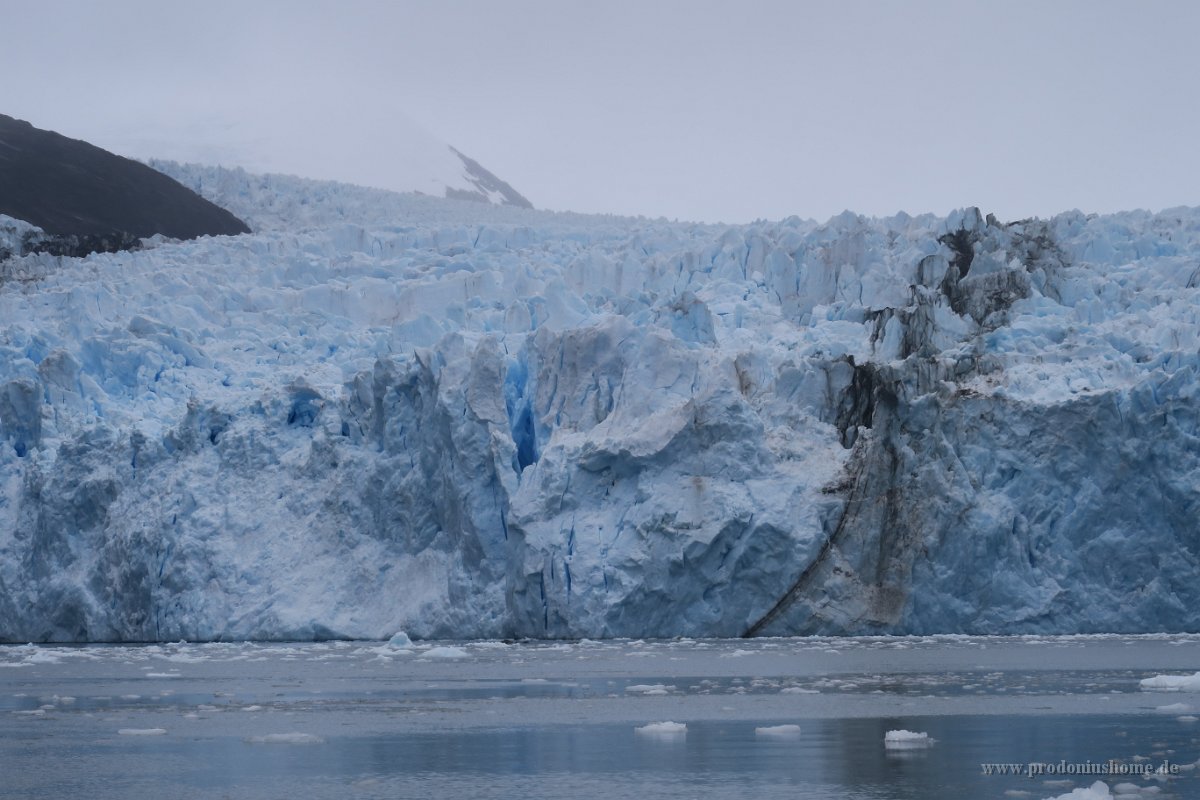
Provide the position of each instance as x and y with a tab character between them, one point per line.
85	199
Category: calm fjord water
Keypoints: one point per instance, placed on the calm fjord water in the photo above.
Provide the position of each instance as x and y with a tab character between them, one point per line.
560	720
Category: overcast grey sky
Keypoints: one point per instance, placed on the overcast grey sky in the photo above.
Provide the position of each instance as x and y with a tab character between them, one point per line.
716	111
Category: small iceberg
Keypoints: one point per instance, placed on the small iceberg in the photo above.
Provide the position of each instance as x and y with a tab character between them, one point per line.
286	738
1097	791
142	732
400	641
906	740
666	730
445	652
1172	683
778	731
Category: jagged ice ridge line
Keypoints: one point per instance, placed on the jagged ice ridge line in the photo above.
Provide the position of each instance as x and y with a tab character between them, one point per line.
385	412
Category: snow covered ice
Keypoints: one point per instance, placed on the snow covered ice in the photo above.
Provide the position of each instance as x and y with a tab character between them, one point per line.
386	412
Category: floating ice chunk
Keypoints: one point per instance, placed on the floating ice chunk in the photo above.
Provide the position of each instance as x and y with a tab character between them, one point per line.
163	675
445	652
648	688
906	740
778	731
1172	683
142	731
1174	708
1188	718
286	738
400	641
664	729
1097	791
798	690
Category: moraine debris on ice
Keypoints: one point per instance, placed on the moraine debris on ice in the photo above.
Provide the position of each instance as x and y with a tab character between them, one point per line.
467	421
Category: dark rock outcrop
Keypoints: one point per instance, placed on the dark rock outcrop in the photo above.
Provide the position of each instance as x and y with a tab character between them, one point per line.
70	188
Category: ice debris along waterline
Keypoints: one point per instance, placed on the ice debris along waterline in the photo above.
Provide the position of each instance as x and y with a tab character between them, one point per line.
384	411
907	740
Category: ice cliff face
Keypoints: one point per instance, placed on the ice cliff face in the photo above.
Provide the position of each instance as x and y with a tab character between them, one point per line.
385	412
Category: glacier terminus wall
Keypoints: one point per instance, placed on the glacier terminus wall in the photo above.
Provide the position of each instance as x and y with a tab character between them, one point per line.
383	412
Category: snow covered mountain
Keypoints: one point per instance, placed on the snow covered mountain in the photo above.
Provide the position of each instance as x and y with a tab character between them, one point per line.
386	412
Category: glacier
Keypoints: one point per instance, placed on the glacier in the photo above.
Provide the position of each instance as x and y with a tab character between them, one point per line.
384	412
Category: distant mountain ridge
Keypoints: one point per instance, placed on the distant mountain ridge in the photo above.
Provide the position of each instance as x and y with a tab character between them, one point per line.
70	188
488	188
379	147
